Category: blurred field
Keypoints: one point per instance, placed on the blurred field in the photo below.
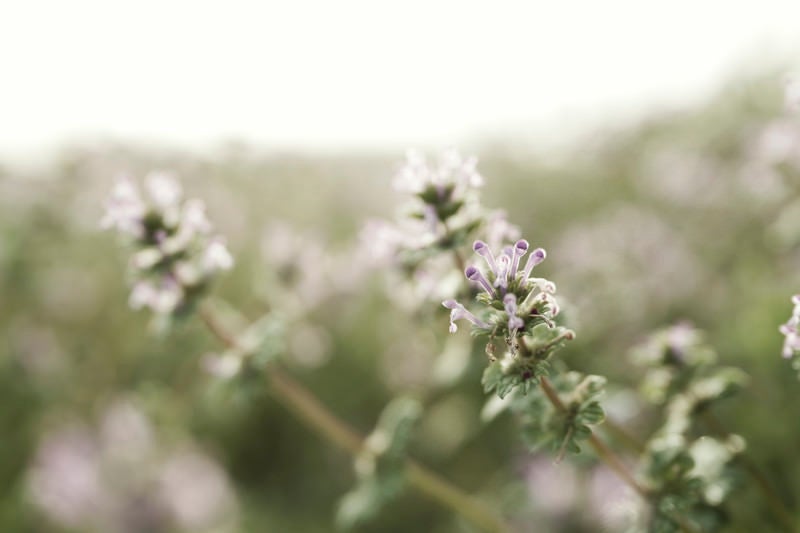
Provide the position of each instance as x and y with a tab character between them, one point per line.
693	215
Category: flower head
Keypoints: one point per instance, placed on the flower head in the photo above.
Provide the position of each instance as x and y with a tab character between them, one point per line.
515	302
176	256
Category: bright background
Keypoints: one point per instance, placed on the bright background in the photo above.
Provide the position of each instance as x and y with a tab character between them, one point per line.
356	74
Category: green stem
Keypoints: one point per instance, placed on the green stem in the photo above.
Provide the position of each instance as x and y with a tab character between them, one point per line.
603	451
620	434
301	402
607	455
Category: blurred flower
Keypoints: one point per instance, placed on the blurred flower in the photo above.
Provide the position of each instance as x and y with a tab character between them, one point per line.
452	175
498	230
176	256
124	208
119	478
610	501
553	488
634	263
299	267
423	243
791	343
791	95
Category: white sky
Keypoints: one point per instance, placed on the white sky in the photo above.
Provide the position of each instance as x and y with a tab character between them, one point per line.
347	74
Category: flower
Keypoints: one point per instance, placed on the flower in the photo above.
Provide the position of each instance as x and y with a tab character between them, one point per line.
791	343
458	312
452	171
125	209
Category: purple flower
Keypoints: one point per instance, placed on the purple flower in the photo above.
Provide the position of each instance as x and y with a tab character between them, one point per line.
473	274
457	312
520	249
483	250
536	257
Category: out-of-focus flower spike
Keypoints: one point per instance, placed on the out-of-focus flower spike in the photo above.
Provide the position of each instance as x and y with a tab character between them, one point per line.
536	257
483	250
473	274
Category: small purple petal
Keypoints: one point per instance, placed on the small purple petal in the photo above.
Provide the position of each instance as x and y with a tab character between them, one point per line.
520	249
536	257
473	274
483	250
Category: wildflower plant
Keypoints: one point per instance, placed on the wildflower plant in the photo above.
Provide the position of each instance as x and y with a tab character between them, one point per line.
176	255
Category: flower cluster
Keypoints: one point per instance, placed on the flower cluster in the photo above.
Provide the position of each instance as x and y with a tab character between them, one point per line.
516	301
445	205
516	306
444	213
177	255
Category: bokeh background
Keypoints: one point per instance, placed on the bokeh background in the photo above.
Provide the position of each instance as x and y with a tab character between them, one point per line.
660	194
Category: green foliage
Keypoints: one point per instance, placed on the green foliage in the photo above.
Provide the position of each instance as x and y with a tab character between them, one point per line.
380	467
543	425
688	482
523	364
688	478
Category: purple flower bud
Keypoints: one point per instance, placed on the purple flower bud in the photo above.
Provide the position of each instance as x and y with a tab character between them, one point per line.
483	250
520	249
473	274
536	257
